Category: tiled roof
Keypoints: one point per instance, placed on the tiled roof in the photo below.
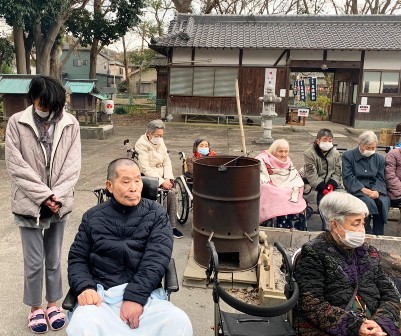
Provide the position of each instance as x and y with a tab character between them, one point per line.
158	61
80	87
345	32
14	85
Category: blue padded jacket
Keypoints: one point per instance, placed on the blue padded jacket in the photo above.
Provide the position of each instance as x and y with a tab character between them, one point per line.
116	244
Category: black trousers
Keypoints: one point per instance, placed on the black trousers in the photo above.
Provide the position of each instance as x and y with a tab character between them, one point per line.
378	221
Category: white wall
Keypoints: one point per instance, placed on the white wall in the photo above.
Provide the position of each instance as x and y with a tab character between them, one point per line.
304	55
343	55
182	55
262	57
382	60
217	56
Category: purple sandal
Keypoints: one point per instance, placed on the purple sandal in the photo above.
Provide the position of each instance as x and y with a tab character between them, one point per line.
37	322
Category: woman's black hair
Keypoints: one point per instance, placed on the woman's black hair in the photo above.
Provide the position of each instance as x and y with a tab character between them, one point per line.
198	141
50	92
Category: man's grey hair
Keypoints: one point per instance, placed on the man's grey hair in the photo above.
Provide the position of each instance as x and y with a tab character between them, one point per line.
115	164
154	125
277	144
336	206
367	138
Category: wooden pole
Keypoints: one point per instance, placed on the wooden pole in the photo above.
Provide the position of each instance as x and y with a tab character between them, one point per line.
241	126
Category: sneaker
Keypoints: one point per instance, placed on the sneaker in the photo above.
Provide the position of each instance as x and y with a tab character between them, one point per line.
177	233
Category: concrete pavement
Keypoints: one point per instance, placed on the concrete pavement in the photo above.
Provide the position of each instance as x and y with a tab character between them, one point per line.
225	139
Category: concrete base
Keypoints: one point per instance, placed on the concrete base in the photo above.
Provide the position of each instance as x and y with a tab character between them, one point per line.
195	276
2	150
100	132
264	141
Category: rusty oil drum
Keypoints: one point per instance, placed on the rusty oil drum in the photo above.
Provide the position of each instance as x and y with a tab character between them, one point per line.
226	194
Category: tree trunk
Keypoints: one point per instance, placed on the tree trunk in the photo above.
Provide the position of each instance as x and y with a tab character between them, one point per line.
28	50
127	77
18	34
55	69
93	59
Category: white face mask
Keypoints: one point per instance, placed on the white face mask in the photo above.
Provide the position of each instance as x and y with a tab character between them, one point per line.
353	239
325	146
42	114
368	153
156	141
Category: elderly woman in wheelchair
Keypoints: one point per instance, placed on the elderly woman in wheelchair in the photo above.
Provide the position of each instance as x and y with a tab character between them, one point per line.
281	188
117	261
343	288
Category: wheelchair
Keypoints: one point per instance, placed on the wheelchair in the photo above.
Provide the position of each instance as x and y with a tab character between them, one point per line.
255	320
181	184
170	283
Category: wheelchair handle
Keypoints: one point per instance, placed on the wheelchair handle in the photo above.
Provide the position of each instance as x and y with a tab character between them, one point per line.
286	257
249	309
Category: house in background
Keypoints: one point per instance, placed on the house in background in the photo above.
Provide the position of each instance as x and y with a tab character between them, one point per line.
109	73
117	70
206	53
143	81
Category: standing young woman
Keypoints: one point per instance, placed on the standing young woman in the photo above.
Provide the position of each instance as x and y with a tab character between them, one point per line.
43	158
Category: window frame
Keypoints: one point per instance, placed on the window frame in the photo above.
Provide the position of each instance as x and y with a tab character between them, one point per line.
381	93
191	74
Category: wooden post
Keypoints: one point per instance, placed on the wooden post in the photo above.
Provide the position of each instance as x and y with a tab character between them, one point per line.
241	126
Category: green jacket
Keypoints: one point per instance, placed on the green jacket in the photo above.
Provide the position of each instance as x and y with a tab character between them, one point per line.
321	170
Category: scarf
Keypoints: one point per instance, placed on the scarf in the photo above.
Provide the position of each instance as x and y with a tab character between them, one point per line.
45	137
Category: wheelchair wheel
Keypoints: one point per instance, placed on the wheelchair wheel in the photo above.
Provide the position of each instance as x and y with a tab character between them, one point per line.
182	201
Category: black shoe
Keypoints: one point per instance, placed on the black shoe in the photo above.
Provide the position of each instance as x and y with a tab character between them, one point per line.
177	233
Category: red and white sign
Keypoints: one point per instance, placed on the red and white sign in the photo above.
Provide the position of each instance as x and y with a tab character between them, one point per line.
303	112
364	108
270	79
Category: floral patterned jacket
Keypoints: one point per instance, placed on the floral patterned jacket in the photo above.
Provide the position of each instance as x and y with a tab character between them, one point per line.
328	276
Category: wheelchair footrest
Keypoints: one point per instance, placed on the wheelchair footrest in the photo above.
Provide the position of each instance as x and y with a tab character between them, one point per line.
234	324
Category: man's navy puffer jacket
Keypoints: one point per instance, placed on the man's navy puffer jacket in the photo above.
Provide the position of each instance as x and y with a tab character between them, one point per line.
116	244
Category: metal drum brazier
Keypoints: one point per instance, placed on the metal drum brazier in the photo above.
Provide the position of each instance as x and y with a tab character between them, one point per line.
226	193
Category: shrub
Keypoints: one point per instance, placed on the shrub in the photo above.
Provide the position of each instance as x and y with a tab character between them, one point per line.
120	110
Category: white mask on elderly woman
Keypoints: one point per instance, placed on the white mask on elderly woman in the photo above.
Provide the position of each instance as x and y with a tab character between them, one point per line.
155	140
353	239
368	153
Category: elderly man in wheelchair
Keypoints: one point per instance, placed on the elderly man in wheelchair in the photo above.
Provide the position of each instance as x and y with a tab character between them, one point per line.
117	261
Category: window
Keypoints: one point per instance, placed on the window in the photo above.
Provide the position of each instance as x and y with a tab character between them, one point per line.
121	71
77	62
381	81
203	81
85	62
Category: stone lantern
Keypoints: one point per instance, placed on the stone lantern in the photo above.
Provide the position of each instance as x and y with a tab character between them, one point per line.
269	101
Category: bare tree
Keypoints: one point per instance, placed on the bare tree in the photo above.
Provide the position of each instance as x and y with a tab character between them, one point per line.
366	6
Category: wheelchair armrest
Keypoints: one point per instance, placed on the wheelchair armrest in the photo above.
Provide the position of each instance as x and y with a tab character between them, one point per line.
150	187
70	300
170	278
170	285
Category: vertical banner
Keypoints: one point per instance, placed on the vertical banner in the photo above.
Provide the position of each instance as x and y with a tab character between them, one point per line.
270	79
295	87
312	91
302	90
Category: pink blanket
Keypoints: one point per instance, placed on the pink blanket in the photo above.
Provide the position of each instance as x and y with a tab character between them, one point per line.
281	188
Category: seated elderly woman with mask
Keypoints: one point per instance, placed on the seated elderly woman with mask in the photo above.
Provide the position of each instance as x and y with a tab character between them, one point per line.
343	289
363	177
